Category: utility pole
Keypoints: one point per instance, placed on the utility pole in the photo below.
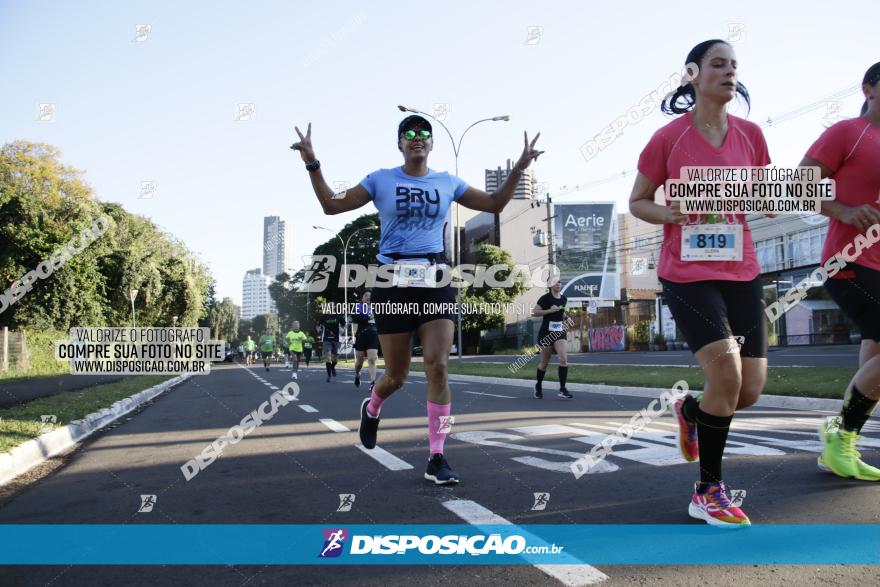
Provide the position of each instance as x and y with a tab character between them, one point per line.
550	257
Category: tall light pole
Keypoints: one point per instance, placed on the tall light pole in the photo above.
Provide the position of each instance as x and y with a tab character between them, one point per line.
345	268
132	294
341	242
456	149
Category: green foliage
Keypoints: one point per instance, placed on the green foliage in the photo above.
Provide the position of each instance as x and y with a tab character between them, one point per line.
490	255
265	324
223	319
362	250
640	331
43	205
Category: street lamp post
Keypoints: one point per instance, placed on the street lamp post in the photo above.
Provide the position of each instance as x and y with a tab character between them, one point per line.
345	268
132	294
456	149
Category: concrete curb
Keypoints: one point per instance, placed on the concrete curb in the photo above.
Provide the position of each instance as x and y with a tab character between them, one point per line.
28	455
765	401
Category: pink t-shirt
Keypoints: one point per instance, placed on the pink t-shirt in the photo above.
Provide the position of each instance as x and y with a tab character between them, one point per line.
851	150
679	144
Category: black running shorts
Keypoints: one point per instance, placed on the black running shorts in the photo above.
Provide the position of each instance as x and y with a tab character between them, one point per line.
707	311
404	309
366	339
858	295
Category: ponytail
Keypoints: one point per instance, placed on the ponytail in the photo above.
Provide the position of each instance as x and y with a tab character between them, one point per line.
684	97
872	76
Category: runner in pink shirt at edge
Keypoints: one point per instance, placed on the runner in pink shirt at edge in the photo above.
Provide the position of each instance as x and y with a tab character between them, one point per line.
712	301
849	153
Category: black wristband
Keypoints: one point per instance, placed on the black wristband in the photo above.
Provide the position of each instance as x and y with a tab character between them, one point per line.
313	166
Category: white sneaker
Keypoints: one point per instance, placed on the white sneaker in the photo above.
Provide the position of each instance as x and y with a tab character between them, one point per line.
293	375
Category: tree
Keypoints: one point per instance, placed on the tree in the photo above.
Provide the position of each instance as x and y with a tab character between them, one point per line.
245	329
293	304
265	324
224	321
43	206
362	250
475	322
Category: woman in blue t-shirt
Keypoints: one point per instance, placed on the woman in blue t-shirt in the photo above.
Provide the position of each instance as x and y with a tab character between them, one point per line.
413	201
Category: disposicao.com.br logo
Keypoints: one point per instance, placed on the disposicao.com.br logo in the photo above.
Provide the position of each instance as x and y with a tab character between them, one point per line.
452	544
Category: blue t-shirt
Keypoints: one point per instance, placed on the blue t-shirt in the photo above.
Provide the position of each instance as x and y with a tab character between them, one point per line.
412	210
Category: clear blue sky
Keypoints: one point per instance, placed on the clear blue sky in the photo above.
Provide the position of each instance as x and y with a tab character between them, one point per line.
164	109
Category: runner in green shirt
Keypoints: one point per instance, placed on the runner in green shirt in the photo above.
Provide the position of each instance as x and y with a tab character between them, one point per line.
308	344
267	347
250	348
295	339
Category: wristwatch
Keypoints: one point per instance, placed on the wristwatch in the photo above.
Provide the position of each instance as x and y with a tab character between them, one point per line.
313	166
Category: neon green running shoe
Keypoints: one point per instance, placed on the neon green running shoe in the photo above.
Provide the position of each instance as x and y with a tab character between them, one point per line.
840	455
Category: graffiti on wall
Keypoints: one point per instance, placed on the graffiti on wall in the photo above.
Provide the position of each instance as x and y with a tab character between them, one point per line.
607	338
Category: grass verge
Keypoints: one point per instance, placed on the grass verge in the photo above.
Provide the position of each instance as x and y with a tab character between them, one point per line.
21	423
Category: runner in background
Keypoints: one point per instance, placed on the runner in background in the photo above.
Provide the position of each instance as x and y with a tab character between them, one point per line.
552	336
712	298
308	344
250	348
366	342
330	325
286	338
267	348
849	153
295	340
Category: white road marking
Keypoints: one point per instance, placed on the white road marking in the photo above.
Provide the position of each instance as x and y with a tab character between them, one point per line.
274	387
308	408
575	573
333	425
486	438
385	458
489	394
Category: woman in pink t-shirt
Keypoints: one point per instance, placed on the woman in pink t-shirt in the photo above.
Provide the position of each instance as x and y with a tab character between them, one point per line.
849	153
717	302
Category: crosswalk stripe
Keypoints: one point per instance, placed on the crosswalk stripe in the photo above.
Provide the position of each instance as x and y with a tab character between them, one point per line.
575	573
334	425
385	458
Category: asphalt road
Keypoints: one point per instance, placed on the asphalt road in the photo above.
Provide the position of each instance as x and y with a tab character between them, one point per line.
505	445
805	356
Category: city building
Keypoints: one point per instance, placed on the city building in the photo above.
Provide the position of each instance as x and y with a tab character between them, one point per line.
255	295
789	248
276	246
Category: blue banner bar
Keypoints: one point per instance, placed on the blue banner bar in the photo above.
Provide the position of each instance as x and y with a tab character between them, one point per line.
222	544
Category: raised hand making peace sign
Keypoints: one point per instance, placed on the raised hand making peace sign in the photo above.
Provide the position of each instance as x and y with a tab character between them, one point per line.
304	145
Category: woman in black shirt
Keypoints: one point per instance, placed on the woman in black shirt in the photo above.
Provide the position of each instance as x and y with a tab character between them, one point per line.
552	336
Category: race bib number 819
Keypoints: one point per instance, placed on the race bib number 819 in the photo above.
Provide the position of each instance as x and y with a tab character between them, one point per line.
712	242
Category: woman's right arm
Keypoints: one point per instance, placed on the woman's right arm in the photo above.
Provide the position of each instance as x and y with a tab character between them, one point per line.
642	206
862	217
331	203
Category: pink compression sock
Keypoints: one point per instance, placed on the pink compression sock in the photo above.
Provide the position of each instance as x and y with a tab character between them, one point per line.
436	430
375	405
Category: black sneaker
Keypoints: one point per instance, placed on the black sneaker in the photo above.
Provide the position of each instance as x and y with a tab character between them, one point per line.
328	379
563	393
369	426
357	380
538	394
439	471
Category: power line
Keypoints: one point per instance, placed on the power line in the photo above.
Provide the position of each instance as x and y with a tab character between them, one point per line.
771	120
